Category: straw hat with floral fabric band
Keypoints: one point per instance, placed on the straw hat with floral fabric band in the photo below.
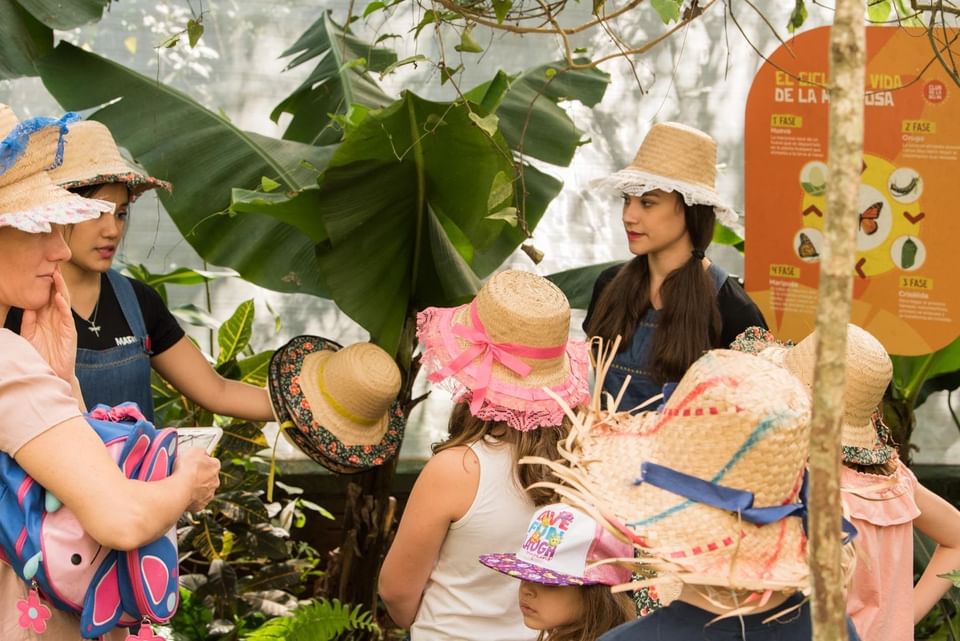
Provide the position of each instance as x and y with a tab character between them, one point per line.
500	351
29	201
341	401
93	158
674	157
711	486
869	370
564	546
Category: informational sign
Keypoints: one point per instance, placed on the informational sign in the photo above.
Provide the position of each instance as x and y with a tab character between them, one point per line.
907	271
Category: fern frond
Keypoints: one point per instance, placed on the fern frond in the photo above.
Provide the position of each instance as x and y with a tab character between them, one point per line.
322	620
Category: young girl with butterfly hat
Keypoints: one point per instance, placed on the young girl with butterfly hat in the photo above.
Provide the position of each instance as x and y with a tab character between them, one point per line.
670	303
124	328
884	500
496	355
565	576
41	426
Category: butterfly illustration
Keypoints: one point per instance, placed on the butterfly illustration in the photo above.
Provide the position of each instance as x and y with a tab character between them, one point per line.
806	248
868	219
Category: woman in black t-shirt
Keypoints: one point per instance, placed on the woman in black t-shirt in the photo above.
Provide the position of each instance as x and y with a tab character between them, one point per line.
123	326
670	303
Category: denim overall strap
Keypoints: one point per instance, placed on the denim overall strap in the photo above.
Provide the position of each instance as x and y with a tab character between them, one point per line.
122	373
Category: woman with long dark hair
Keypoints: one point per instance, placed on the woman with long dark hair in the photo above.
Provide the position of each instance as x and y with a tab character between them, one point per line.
670	303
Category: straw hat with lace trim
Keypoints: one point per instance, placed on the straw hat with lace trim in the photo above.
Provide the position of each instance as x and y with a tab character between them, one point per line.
735	425
500	351
338	404
92	158
674	157
869	370
29	201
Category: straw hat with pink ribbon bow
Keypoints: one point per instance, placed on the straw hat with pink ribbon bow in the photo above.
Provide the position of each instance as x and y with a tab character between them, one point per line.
500	351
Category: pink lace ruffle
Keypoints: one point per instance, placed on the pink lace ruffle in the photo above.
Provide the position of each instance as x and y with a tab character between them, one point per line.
880	500
522	408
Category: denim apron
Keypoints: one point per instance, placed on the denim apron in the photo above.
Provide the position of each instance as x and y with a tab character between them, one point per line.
633	360
122	373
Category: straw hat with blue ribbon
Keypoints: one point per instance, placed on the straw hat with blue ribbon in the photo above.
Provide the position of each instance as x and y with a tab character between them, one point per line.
338	405
710	487
29	201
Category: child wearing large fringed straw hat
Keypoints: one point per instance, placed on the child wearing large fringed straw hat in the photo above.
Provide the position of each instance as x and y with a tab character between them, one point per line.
670	303
710	489
881	495
564	575
41	426
506	357
124	329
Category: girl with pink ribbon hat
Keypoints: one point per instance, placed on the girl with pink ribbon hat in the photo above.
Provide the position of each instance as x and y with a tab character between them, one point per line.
507	358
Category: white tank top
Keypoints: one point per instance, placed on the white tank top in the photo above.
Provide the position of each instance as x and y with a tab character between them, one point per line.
464	600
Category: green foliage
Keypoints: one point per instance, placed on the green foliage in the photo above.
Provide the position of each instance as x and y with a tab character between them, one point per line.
57	14
577	283
879	10
798	16
942	623
668	10
24	41
335	84
203	154
318	621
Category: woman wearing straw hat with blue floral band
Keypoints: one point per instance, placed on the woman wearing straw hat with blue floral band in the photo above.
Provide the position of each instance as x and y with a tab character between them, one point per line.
123	326
41	427
670	303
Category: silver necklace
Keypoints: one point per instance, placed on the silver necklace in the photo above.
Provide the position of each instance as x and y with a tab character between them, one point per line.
92	321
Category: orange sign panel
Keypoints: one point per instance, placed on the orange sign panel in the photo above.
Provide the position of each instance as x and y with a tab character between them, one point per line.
906	289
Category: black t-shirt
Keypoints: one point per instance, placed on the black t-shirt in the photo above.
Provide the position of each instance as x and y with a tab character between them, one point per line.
681	621
737	310
162	326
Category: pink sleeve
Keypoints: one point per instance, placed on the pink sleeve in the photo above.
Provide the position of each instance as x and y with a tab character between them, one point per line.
32	398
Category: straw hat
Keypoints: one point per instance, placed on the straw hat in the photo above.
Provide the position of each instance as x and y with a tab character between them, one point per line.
337	404
736	428
674	157
92	158
563	546
29	201
869	370
498	352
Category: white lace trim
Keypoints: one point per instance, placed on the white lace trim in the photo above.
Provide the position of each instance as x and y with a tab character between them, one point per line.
37	220
636	183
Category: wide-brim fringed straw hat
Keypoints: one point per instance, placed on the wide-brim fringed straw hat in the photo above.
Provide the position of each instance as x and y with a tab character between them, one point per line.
869	370
29	200
710	487
678	158
500	351
93	158
338	405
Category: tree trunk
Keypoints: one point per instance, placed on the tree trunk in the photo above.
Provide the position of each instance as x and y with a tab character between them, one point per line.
847	62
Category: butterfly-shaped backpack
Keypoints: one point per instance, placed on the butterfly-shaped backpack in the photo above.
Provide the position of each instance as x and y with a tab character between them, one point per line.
43	542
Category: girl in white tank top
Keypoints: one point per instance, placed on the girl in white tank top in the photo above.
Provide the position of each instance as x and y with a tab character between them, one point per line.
495	355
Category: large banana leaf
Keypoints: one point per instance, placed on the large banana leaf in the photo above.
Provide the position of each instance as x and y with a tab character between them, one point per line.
577	283
339	80
204	156
939	369
404	204
23	39
530	118
65	14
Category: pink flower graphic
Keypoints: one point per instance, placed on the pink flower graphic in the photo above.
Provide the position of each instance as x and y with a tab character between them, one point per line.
33	614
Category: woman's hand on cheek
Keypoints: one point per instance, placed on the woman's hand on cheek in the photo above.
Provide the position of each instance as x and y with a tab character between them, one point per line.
51	330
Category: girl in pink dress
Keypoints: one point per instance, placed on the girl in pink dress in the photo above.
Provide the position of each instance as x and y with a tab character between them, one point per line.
882	497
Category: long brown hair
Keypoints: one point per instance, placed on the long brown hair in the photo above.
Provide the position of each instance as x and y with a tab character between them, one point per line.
465	428
601	610
690	319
